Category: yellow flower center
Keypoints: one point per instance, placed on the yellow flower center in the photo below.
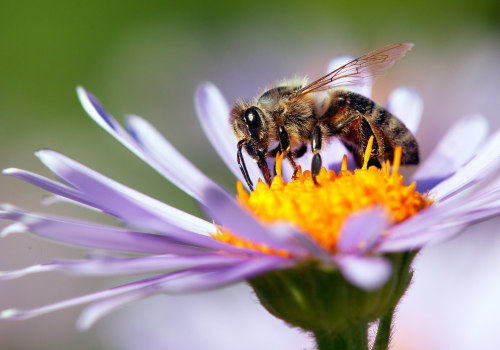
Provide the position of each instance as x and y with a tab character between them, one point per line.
320	210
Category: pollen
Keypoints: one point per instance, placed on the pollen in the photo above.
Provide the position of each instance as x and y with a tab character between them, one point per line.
321	209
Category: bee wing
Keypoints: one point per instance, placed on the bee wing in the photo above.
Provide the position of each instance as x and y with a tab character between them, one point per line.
359	70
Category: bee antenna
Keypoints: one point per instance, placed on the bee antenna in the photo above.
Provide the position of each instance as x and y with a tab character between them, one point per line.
243	167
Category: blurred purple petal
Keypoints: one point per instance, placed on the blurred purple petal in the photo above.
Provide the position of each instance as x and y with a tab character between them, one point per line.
148	144
484	163
456	148
224	276
213	114
368	273
440	222
120	266
189	282
362	230
169	161
131	206
406	104
155	282
48	185
110	266
416	240
89	234
94	312
34	269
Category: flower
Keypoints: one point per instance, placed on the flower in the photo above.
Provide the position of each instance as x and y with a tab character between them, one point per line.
371	248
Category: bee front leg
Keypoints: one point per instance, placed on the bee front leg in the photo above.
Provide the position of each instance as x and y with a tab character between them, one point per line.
316	143
285	148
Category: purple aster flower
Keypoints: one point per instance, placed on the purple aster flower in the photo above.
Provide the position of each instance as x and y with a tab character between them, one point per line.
371	249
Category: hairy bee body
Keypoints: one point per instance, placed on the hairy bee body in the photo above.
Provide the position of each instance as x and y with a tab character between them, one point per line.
291	115
368	119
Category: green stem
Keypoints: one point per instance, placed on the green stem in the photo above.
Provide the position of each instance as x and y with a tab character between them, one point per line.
354	338
383	338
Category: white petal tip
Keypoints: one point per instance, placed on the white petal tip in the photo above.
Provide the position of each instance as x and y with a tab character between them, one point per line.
9	171
366	272
80	90
205	85
14	228
42	154
83	324
9	314
407	104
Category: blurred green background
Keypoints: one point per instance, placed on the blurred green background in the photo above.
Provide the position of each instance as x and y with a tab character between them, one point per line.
147	57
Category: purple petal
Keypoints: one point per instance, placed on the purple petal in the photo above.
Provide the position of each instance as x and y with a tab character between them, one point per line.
168	161
97	112
333	153
438	223
56	199
131	206
120	210
186	282
406	104
337	62
10	275
362	230
452	152
147	286
148	144
399	243
213	114
485	162
94	312
226	212
99	236
239	272
48	185
368	273
287	230
111	266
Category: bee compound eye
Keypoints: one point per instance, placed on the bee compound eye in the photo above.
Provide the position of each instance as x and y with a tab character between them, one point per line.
252	118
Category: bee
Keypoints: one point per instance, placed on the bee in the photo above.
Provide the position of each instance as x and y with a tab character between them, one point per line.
289	116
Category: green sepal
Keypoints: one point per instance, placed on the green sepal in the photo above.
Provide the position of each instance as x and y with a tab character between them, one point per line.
320	300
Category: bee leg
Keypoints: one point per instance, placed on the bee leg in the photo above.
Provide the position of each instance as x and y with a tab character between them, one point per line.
316	140
285	148
242	165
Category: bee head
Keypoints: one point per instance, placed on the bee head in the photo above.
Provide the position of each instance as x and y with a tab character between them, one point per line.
250	128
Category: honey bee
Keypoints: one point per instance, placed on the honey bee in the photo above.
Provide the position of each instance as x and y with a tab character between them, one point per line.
292	114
